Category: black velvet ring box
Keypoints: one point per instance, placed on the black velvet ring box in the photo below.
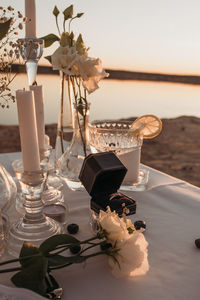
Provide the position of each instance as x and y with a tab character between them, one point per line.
102	174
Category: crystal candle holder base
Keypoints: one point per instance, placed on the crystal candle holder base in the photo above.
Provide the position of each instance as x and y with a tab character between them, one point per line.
53	188
34	227
34	232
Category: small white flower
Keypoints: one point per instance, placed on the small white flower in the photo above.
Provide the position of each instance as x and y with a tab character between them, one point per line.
131	257
63	59
90	70
114	226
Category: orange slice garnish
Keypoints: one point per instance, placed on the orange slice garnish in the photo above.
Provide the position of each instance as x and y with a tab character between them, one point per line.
149	126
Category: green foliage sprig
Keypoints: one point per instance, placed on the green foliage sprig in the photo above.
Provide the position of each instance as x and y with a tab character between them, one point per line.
65	37
36	263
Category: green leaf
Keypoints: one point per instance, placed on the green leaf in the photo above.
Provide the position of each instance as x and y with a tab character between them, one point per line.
79	15
56	11
50	39
28	249
23	279
48	58
57	240
68	12
4	28
34	269
59	260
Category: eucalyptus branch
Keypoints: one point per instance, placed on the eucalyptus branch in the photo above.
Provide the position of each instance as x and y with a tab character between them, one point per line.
18	259
64	247
9	261
85	257
90	247
10	270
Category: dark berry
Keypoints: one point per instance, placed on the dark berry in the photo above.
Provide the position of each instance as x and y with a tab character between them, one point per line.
140	224
105	246
197	243
75	249
72	228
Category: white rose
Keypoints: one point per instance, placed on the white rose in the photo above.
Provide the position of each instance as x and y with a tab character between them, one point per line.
91	72
132	256
63	59
114	226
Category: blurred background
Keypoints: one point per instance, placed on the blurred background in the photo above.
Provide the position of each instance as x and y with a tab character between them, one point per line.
152	39
141	36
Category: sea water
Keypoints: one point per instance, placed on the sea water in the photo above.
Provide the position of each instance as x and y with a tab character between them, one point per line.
116	99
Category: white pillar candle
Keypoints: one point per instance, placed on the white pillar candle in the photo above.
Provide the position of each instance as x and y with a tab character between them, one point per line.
131	160
28	130
39	110
30	13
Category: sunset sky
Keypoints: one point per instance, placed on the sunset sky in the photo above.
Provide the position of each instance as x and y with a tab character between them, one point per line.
138	35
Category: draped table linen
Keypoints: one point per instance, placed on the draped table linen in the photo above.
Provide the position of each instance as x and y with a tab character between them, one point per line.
171	209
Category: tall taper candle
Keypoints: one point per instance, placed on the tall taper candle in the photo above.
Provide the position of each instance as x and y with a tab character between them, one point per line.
28	130
39	109
30	13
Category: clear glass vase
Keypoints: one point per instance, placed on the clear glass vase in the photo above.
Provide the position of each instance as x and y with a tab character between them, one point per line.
70	163
65	125
8	191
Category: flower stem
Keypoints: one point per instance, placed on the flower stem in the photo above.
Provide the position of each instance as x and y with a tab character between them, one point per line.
82	130
10	270
9	261
57	26
69	95
90	247
61	112
65	247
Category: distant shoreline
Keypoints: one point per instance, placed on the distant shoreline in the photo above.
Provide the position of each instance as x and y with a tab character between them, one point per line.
126	75
175	151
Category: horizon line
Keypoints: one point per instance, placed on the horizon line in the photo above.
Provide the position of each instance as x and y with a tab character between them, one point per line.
124	75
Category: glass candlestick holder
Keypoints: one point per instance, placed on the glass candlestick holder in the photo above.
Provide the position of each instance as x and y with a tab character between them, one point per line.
34	227
31	50
53	187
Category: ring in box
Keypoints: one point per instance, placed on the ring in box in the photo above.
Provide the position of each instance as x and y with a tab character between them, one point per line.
102	174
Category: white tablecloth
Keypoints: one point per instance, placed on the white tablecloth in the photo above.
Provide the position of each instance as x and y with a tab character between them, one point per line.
171	209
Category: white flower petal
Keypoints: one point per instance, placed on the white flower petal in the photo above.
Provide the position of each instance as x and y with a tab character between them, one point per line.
132	257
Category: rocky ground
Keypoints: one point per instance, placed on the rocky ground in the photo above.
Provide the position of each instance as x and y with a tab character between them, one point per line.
176	151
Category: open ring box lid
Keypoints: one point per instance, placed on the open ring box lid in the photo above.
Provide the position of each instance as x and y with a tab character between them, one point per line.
102	174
